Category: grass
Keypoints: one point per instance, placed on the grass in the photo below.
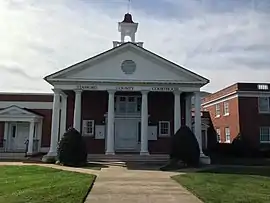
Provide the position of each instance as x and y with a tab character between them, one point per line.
36	184
229	184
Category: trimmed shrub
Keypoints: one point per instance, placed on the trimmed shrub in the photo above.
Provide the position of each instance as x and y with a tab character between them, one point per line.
72	149
185	147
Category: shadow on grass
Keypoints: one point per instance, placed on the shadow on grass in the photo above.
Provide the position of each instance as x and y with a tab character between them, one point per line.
239	170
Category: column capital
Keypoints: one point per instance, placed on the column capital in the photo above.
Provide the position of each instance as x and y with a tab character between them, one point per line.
63	94
78	91
177	92
196	93
111	91
144	91
56	90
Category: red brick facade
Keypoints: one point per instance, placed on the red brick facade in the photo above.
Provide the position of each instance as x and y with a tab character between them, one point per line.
244	116
95	104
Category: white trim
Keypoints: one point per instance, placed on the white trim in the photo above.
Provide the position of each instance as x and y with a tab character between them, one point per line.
226	113
85	122
127	86
227	131
217	111
218	101
26	104
127	46
268	103
26	93
218	134
159	129
235	94
265	141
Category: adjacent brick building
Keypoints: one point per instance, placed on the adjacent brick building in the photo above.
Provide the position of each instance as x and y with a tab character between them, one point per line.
241	108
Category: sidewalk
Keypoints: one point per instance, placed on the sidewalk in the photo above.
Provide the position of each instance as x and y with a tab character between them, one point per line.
119	185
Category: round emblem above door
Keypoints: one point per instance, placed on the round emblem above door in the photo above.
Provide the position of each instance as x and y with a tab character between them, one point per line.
128	66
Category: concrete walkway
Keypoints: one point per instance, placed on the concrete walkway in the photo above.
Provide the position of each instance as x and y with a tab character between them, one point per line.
119	185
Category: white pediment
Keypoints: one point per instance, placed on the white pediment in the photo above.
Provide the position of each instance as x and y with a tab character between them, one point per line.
147	67
15	111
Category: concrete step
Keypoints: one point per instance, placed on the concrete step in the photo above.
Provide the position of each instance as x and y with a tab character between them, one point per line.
12	155
128	158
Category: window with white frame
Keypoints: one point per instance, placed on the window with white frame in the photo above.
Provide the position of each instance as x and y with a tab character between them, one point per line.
264	104
217	110
226	108
88	127
264	134
227	134
218	135
262	87
164	128
128	104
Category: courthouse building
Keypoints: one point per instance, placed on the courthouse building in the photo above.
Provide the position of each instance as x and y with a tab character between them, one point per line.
126	99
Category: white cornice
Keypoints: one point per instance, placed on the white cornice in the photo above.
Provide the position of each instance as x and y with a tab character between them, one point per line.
236	94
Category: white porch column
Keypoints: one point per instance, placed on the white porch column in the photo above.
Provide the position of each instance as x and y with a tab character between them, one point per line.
177	111
77	110
39	133
110	124
6	135
198	120
144	124
188	111
55	123
63	115
31	138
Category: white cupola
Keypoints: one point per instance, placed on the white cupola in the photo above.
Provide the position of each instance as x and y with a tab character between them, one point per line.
127	28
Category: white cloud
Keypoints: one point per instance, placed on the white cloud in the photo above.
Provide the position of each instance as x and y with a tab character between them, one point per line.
40	37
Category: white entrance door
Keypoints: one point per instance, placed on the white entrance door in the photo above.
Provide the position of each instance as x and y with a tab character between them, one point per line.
19	134
126	134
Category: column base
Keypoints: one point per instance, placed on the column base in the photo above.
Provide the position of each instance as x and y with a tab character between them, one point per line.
50	157
29	153
205	159
109	153
144	153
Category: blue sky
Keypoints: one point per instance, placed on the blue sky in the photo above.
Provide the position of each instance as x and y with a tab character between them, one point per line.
225	41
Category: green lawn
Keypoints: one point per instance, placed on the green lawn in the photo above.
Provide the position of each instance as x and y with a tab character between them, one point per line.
36	184
227	185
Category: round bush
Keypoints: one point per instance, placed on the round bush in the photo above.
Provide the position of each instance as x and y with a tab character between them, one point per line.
185	147
72	149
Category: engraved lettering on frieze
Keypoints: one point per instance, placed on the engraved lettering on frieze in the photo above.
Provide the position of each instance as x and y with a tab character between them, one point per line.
163	89
87	87
125	88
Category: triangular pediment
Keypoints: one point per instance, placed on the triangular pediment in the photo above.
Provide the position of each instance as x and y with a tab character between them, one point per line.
127	62
15	111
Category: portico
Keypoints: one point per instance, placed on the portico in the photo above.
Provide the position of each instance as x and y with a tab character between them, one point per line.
126	99
114	116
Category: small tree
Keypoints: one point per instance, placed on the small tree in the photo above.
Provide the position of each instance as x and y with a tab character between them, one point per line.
185	147
72	149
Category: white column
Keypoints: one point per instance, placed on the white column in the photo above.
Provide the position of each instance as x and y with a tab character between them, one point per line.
55	123
177	111
77	110
39	135
63	115
144	124
31	138
110	124
6	135
198	120
188	111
